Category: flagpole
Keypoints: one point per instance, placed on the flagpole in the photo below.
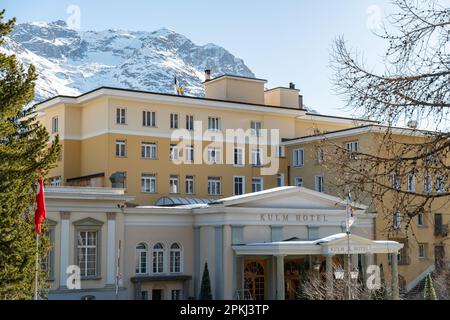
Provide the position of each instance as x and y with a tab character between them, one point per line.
36	276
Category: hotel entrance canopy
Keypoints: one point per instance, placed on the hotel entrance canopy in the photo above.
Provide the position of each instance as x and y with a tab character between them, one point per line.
331	245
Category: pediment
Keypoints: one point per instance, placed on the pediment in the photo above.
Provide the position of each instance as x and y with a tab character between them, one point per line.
88	222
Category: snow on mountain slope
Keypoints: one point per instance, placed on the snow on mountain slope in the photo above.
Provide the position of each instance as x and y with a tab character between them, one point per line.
70	62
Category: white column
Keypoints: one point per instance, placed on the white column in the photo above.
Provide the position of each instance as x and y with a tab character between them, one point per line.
280	278
65	248
111	249
395	289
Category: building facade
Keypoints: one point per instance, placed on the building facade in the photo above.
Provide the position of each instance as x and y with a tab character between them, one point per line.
175	158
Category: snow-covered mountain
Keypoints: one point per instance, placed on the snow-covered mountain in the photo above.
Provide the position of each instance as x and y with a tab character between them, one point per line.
71	62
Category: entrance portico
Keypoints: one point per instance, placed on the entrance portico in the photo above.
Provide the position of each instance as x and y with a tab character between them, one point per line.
321	252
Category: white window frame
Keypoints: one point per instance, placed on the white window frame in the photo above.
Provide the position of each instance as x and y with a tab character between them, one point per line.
319	183
55	181
440	184
86	247
281	181
421	220
214	155
411	183
174	121
149	119
422	251
189	153
352	147
55	124
428	183
214	124
256	182
298	159
174	152
215	185
190	180
148	183
320	156
397	223
257	157
158	265
149	151
172	262
141	254
242	185
174	184
299	182
189	122
396	181
256	127
121	116
281	152
238	157
121	148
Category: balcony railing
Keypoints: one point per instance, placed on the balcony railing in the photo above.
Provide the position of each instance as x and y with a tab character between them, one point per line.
441	230
404	260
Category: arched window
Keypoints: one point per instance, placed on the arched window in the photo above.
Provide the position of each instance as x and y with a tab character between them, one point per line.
175	258
158	258
141	258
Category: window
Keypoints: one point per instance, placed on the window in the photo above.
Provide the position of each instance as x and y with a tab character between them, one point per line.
149	119
55	125
320	156
190	123
214	155
141	258
411	183
397	224
144	295
238	157
422	251
47	263
157	294
121	116
173	121
396	181
280	180
55	182
238	186
428	184
420	220
281	151
257	157
121	148
158	258
174	184
214	186
176	294
213	123
257	184
189	153
440	184
148	183
87	252
190	185
175	258
299	158
319	184
174	152
299	182
256	128
352	148
148	150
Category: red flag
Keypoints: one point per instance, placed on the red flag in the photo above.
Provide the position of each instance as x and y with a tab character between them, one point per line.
40	214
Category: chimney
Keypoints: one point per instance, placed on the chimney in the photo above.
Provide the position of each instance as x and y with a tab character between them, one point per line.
207	75
291	85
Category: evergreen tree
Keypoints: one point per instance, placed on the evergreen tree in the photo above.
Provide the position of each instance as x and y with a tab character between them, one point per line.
429	293
205	290
25	154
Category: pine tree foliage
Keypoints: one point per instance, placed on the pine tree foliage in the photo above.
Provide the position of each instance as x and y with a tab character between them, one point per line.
25	154
429	293
205	290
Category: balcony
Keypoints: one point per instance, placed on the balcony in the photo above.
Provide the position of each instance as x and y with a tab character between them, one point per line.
404	260
441	230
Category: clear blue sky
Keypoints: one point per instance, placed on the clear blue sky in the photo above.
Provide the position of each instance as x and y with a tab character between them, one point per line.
281	41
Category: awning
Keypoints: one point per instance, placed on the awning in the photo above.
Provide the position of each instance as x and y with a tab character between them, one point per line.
334	245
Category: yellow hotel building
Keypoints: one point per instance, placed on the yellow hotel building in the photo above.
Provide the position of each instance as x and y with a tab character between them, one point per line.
125	184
